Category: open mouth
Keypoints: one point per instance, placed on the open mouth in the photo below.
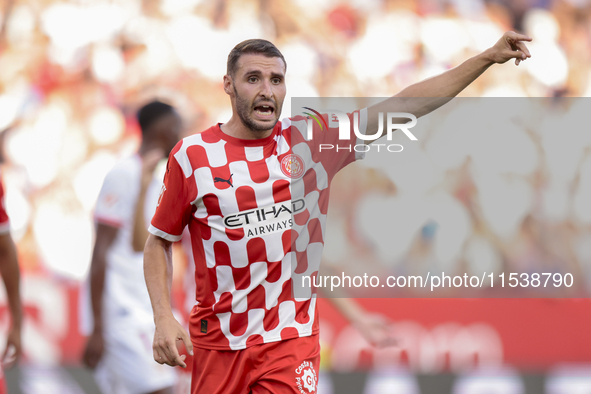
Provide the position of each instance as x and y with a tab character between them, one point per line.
264	111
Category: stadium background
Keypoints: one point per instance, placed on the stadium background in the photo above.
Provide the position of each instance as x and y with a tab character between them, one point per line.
73	73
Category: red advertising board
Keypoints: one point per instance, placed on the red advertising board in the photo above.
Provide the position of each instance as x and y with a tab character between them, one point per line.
434	335
439	335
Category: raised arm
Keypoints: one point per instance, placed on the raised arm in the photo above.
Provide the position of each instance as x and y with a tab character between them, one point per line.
426	96
158	274
11	278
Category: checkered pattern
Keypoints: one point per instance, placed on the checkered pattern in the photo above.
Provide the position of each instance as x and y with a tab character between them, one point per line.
249	224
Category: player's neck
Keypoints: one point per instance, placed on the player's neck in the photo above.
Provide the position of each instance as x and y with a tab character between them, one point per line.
147	146
235	128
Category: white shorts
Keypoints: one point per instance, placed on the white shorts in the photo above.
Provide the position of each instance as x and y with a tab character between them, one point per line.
127	365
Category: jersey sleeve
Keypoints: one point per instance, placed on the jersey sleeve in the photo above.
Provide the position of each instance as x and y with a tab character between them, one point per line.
112	206
174	204
4	222
334	147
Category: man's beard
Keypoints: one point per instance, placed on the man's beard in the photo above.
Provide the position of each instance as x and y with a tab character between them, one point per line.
243	109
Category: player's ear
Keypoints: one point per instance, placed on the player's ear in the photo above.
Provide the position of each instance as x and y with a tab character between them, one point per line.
228	84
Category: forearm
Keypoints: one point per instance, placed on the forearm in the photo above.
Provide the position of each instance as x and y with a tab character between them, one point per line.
349	308
105	236
340	298
426	96
97	285
140	231
430	94
451	82
158	275
10	272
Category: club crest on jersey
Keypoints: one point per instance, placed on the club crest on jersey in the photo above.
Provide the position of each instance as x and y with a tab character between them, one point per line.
292	166
306	378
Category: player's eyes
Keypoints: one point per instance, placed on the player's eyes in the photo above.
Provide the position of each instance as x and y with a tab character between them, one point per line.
252	79
276	81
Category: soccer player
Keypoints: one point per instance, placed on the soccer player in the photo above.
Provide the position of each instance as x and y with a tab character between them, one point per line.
11	277
119	347
254	193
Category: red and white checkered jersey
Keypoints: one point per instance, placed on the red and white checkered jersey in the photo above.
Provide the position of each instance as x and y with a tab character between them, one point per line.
4	222
256	212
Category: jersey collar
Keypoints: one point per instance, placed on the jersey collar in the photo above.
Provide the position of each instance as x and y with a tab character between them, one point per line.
242	142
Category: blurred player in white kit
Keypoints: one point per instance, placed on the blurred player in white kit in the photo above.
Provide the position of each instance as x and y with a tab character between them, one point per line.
119	347
9	270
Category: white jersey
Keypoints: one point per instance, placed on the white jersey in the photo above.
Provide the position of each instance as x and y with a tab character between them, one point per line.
125	292
127	365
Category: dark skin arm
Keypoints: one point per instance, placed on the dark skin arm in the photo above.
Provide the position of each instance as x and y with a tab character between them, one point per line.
8	5
140	230
11	277
105	235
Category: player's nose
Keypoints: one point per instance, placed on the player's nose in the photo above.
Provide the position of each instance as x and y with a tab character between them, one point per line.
266	89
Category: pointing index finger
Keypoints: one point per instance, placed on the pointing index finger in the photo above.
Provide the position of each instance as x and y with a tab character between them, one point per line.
523	48
519	37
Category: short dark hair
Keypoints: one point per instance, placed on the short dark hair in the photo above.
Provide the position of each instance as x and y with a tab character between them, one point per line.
256	46
151	112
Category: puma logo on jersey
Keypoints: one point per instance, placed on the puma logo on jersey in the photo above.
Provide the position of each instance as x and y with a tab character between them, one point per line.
228	181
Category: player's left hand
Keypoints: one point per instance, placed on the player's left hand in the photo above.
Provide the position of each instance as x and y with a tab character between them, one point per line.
510	46
168	333
13	348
